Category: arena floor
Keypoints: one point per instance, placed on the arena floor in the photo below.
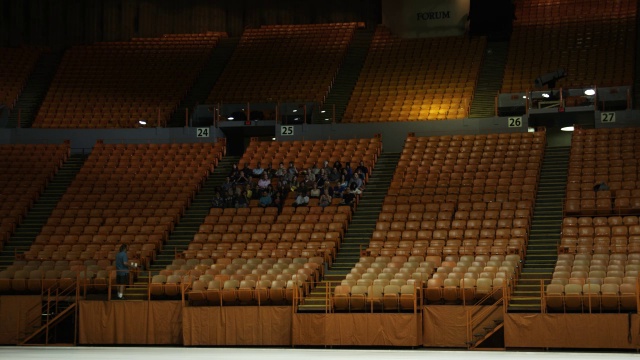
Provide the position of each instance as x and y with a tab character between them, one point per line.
162	353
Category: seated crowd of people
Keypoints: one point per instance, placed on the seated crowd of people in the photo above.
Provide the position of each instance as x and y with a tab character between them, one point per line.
270	187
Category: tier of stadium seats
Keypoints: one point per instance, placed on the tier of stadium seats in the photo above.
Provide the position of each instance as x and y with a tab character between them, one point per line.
124	194
596	48
16	65
35	276
416	79
25	170
306	154
594	283
600	235
430	279
116	84
284	63
241	281
603	155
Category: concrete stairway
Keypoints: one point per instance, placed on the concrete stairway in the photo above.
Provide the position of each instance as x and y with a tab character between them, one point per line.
347	76
489	80
359	233
35	90
542	250
187	227
206	79
31	225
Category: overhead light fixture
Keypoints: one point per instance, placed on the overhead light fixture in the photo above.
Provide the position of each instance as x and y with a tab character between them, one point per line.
323	111
230	118
295	110
524	96
326	119
296	119
545	95
589	92
567	128
142	122
273	138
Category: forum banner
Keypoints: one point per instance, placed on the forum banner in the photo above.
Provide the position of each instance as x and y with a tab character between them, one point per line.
425	18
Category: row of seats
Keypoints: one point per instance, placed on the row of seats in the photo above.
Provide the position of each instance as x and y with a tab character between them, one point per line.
305	154
414	221
362	298
592	297
40	281
145	252
418	198
325	249
245	292
313	217
78	265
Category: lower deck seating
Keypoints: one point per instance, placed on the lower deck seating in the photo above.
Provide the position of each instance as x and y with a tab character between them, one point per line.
598	282
240	281
380	283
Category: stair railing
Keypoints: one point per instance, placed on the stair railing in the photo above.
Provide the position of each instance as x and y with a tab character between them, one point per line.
53	308
478	314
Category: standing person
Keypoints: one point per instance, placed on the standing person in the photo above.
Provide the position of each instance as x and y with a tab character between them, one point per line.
122	270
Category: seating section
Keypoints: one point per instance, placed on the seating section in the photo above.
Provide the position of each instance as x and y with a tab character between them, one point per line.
25	170
458	209
261	232
305	154
599	251
594	282
394	283
253	281
39	276
131	194
284	63
117	84
416	79
600	235
16	65
271	235
609	156
596	48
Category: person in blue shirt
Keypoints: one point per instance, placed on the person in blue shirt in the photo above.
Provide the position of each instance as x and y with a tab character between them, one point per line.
122	269
265	199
